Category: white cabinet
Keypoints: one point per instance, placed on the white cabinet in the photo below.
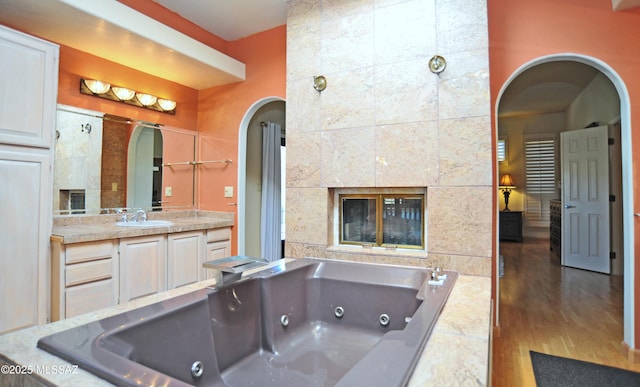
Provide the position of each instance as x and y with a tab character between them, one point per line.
28	89
218	246
84	277
142	267
24	235
89	276
185	255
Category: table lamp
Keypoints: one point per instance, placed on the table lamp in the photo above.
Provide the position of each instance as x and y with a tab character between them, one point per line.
506	185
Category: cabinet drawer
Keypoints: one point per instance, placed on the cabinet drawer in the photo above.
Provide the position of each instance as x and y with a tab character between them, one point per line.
89	297
88	271
88	251
219	234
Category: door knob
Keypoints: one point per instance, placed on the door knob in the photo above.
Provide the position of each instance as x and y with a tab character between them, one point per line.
567	206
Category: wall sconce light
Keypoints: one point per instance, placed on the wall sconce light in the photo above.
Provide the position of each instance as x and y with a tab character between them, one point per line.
319	83
506	185
122	94
437	64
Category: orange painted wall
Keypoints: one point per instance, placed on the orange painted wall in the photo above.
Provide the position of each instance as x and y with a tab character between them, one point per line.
221	109
522	30
178	148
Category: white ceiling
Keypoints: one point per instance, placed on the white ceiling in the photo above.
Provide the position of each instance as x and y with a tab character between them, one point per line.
546	88
621	5
231	20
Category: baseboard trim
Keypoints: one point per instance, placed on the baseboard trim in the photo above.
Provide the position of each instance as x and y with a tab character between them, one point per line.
633	355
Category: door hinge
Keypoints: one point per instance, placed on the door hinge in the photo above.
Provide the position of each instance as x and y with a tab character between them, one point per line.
612	255
612	198
611	141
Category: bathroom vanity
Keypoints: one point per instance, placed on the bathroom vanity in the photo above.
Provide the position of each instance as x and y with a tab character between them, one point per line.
96	264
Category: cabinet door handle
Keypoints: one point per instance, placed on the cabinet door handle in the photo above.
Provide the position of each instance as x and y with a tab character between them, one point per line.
567	206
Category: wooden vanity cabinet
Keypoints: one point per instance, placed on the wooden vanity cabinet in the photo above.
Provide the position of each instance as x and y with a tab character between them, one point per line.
142	267
185	253
93	275
84	277
218	246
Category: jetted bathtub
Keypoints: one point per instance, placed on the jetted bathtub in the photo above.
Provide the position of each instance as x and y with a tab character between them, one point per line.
306	322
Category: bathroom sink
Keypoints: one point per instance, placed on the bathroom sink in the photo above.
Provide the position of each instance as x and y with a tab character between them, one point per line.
146	223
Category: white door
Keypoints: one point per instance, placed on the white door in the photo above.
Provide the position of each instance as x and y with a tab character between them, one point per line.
585	199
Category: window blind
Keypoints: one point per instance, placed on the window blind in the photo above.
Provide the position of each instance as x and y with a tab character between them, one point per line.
540	179
502	150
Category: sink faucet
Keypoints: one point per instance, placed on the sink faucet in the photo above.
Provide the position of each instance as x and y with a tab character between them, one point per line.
123	214
139	216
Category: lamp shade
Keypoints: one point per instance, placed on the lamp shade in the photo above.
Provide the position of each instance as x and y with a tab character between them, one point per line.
123	93
166	104
97	87
507	181
146	99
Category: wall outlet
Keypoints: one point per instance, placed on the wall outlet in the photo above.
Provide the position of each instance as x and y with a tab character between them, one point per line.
228	191
168	191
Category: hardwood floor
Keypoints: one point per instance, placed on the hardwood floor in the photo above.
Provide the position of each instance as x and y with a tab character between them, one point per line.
556	310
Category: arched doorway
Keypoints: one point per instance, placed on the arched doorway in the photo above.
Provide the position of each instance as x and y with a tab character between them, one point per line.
624	120
144	177
270	109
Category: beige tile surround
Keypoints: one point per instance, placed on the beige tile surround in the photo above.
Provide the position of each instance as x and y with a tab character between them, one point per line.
386	121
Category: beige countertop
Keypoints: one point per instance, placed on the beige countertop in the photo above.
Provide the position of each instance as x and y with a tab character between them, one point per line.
76	229
457	352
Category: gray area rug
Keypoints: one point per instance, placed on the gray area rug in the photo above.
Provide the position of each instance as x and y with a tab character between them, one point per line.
551	371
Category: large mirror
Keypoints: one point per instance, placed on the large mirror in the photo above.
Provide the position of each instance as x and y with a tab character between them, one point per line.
103	163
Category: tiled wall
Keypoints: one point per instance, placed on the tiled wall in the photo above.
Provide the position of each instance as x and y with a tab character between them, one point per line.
385	120
78	155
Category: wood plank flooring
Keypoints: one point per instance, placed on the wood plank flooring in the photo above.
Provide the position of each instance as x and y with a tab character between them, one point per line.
556	310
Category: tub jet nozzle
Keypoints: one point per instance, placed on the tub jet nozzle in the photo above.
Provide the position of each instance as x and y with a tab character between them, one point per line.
284	320
197	369
384	319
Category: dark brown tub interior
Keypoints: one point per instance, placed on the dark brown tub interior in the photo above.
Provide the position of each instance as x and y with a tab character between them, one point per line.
309	322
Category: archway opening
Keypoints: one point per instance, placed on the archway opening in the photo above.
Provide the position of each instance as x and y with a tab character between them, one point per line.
591	103
270	109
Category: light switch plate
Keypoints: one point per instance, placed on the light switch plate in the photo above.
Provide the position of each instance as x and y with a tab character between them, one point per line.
168	191
228	191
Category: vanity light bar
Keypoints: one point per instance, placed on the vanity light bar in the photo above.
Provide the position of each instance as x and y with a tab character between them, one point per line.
105	90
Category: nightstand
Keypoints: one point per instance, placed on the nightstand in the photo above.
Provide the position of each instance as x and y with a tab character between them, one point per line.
555	223
511	226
